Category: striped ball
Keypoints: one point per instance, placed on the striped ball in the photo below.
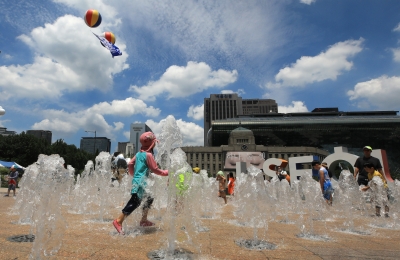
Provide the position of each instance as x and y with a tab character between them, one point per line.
92	18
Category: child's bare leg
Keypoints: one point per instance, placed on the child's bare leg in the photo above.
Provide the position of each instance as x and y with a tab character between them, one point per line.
121	218
144	214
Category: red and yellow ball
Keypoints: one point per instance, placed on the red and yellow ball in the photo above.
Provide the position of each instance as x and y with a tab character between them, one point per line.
92	18
109	36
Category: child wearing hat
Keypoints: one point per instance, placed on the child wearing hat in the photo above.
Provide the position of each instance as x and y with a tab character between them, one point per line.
139	167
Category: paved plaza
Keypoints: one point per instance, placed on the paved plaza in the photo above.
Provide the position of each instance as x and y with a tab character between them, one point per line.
100	241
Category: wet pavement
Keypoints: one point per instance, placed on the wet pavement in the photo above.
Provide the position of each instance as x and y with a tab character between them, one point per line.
99	240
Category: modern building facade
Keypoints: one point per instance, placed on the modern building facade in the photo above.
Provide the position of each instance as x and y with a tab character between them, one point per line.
126	148
92	144
241	147
136	130
41	134
324	130
5	132
223	106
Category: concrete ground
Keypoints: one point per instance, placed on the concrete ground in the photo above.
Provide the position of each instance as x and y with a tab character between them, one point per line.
100	241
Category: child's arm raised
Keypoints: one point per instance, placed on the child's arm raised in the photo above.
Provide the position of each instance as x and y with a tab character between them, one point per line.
151	163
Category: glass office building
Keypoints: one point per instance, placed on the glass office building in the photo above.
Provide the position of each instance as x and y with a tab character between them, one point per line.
325	130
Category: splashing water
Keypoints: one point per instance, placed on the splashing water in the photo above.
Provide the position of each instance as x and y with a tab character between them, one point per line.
52	181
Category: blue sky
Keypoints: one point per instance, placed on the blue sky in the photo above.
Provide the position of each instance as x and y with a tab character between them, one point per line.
54	74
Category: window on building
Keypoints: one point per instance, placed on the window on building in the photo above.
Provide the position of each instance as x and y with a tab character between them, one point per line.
214	167
219	157
219	167
202	156
301	154
202	166
270	155
208	157
213	156
197	156
295	155
282	156
276	155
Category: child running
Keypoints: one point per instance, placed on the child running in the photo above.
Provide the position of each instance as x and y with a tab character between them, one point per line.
139	168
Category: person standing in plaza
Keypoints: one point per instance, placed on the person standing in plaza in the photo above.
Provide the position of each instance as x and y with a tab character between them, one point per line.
222	183
139	167
324	180
359	166
12	180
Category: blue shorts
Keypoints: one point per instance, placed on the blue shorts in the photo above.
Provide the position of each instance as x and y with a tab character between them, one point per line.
328	190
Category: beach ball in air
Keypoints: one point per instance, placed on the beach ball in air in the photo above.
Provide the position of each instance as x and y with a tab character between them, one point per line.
92	18
109	36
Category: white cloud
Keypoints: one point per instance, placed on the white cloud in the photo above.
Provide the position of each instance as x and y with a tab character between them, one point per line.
107	12
327	65
182	81
307	2
397	28
381	93
4	121
118	126
296	106
396	54
68	58
239	91
65	123
196	112
193	135
125	107
127	134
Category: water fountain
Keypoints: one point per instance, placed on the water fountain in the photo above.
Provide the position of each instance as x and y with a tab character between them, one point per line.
252	208
52	181
347	198
314	207
183	199
179	214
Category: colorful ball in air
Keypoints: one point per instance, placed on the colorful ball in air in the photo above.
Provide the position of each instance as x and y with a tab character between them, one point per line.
92	18
109	36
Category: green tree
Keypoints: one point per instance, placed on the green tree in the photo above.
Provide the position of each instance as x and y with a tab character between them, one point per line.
25	149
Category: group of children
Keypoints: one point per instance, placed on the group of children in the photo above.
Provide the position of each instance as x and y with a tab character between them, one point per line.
327	189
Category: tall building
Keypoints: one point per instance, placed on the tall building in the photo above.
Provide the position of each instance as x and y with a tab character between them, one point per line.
241	147
126	148
137	129
41	134
223	106
5	132
325	130
92	144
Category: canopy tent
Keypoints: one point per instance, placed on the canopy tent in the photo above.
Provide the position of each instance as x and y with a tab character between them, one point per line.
9	164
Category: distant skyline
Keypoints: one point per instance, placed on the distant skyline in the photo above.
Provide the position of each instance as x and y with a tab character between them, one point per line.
305	54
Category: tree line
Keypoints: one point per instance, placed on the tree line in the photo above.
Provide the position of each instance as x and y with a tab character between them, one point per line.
24	149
